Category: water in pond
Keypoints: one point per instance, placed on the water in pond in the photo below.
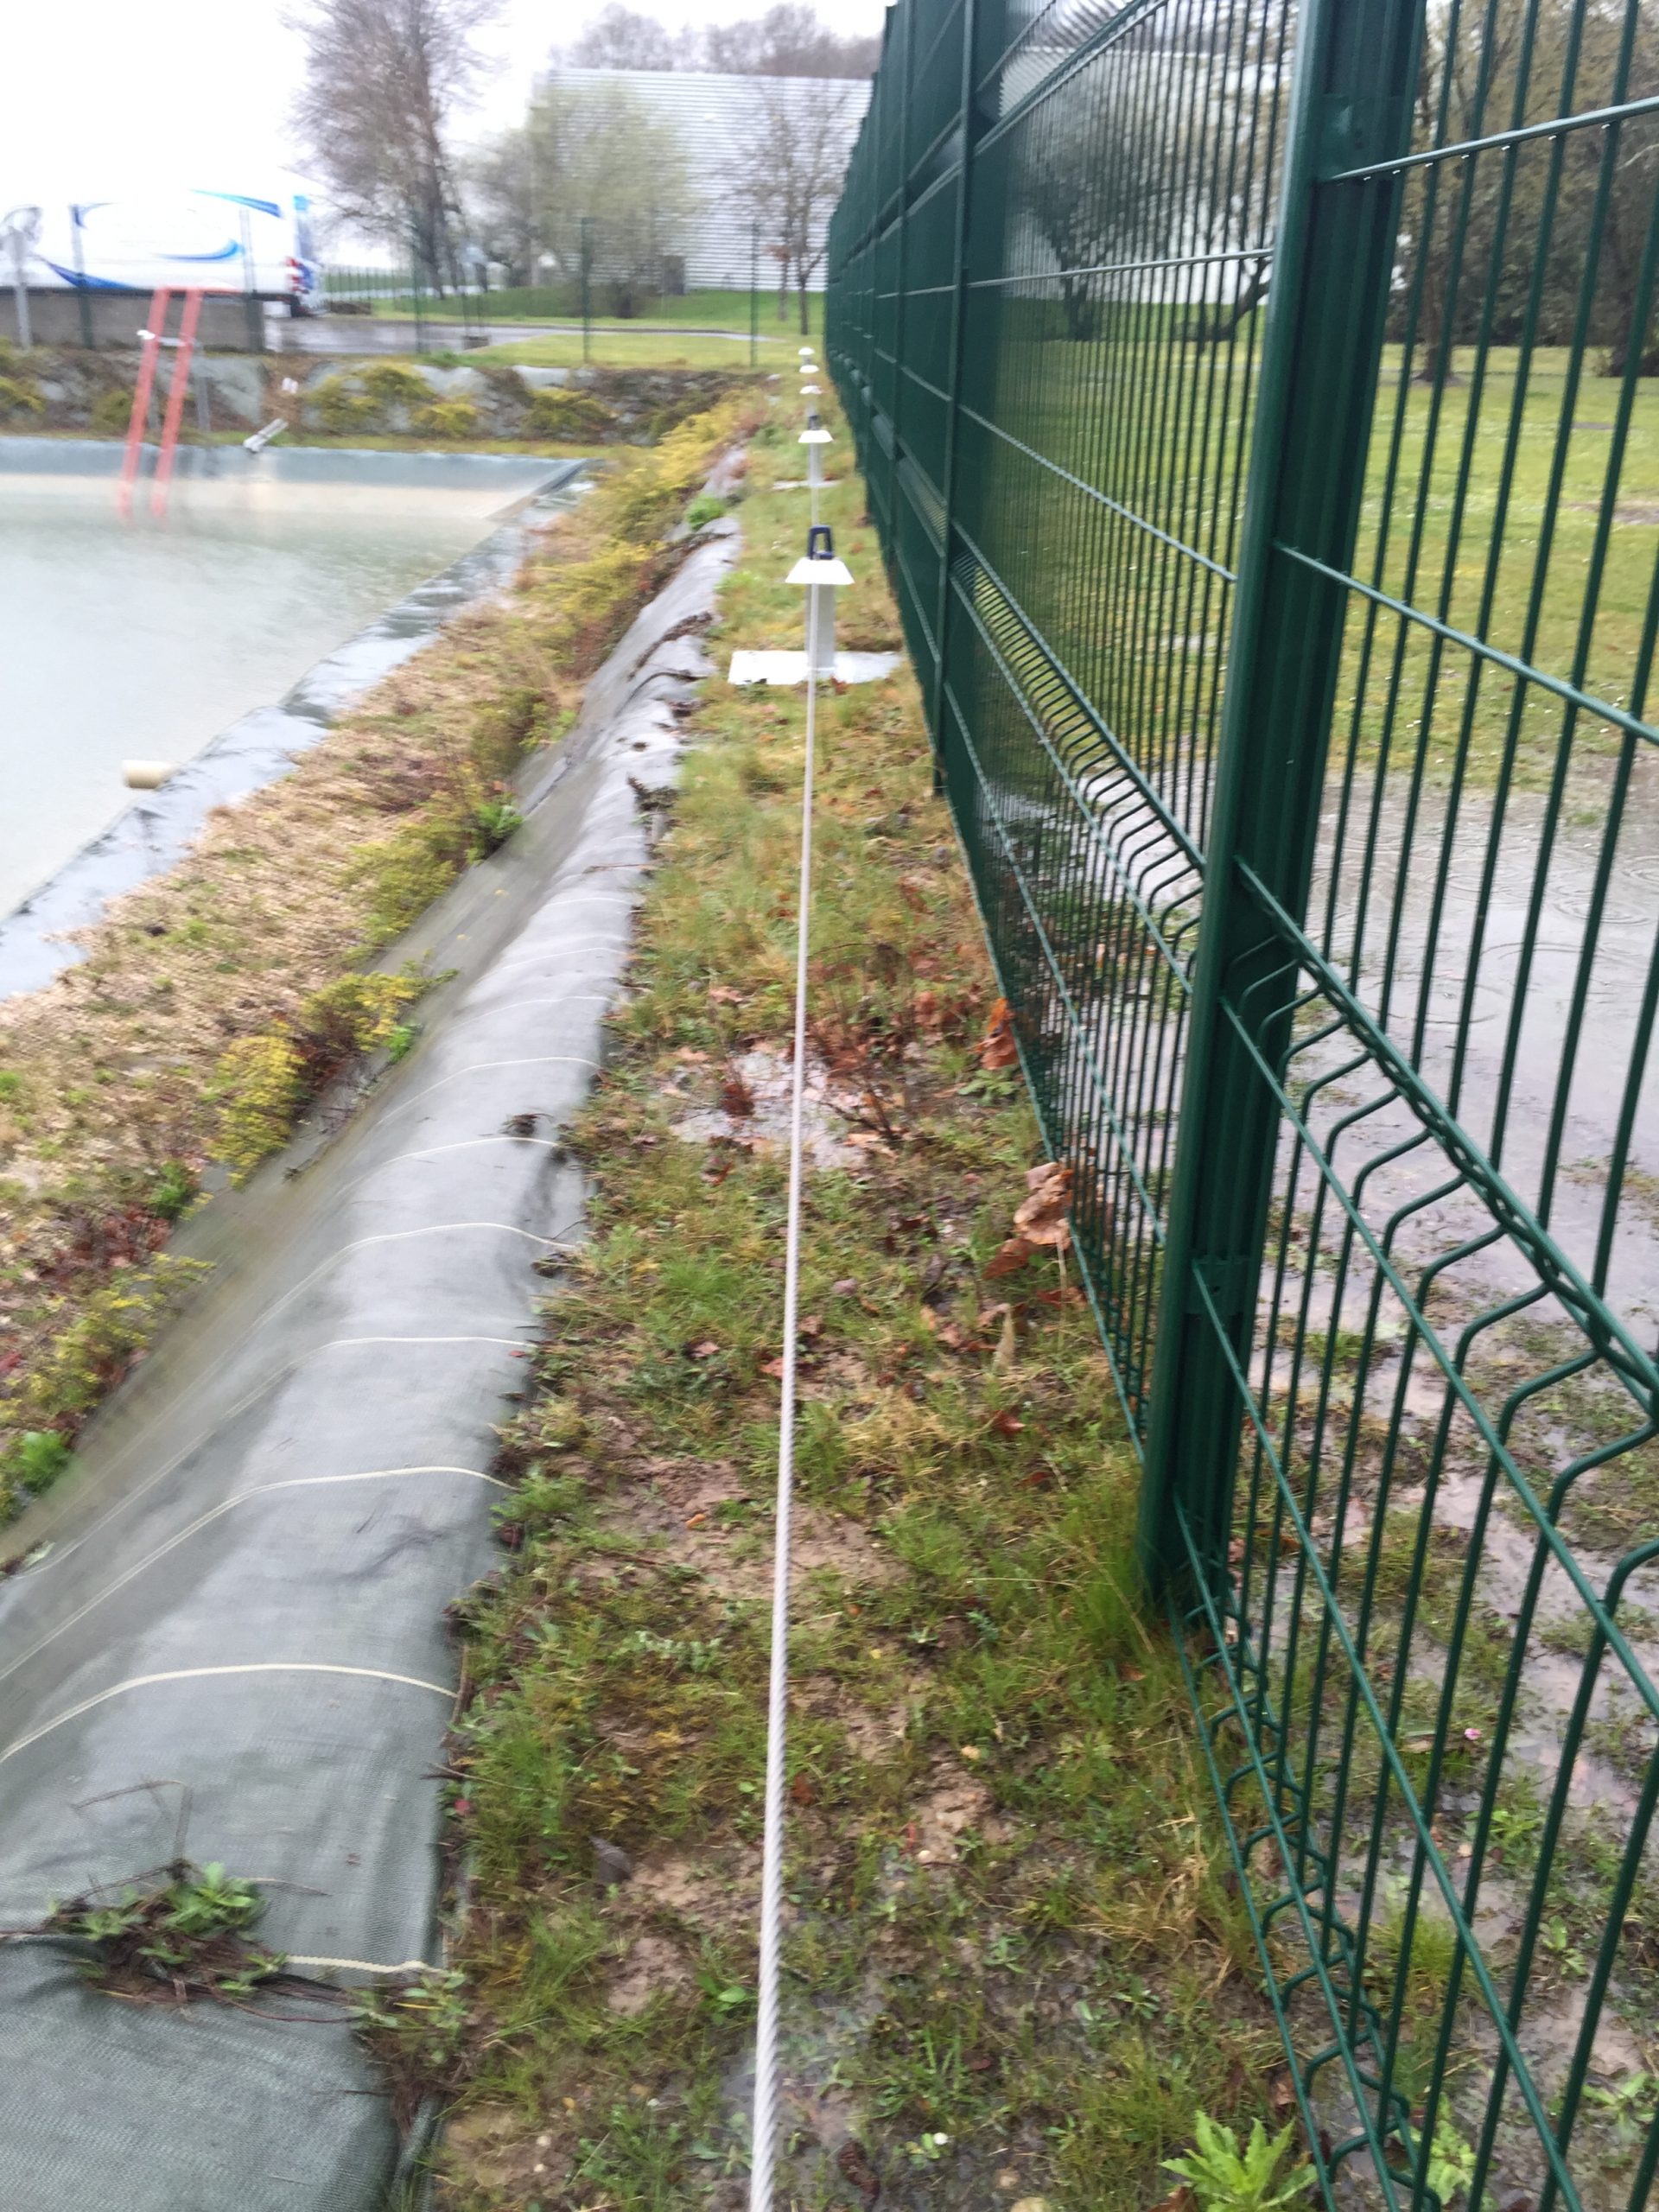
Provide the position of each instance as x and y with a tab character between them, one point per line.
144	641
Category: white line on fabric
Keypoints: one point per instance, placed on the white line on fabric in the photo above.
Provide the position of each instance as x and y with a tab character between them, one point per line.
259	1490
535	1060
434	1151
362	1966
763	2139
269	1382
392	1236
519	1006
208	1674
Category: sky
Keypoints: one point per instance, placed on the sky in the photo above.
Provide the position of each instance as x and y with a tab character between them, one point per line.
103	98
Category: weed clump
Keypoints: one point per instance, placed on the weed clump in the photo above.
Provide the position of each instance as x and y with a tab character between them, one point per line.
185	1936
264	1083
552	413
21	395
446	418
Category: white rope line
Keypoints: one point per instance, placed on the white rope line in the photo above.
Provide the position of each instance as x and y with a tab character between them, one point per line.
362	1966
482	1067
432	1152
771	1876
392	1237
520	1005
272	1382
205	1674
203	1520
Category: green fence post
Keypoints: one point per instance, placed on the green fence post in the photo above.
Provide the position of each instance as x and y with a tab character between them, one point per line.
1355	75
971	9
754	294
587	288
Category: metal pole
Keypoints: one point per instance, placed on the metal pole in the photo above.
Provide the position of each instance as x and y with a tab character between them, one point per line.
1321	353
958	319
754	294
20	290
587	288
256	318
83	299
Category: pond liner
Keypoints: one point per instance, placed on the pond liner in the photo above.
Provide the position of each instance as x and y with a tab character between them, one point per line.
153	834
227	1640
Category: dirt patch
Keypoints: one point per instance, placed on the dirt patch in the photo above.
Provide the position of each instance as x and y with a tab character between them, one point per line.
653	1966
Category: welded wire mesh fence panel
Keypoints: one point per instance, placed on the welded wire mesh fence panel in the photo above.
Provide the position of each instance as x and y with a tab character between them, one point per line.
665	267
1261	409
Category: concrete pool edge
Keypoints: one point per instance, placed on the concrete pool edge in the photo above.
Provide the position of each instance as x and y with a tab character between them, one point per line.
153	834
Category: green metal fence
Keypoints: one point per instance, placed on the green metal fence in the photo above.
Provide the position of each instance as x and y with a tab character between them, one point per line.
1259	404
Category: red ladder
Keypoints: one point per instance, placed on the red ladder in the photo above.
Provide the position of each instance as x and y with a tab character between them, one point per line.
154	337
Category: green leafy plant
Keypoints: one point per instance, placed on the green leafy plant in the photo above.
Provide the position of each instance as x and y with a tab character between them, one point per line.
174	1191
38	1458
1450	2162
706	507
1628	2105
186	1933
1226	2179
493	821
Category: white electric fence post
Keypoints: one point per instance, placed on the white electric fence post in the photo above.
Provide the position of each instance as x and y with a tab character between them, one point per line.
822	573
823	576
812	437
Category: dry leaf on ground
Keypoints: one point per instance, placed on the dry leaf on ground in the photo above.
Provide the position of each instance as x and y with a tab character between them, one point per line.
997	1048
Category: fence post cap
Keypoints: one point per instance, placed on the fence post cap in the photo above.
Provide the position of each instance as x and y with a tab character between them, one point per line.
818	565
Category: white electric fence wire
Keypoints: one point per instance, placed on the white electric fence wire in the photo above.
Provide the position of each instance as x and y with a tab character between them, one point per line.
772	1875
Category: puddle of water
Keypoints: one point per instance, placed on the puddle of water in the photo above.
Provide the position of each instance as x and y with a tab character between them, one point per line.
144	641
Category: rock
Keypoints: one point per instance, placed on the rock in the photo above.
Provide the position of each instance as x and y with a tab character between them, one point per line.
236	385
451	383
1031	2204
611	1864
540	379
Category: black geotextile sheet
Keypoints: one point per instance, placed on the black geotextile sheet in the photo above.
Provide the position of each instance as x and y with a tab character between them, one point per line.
230	1641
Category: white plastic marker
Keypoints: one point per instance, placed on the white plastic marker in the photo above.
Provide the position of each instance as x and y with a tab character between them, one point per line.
813	437
821	572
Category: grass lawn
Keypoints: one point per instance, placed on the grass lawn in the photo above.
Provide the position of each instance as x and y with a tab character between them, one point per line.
1013	1971
624	346
712	309
1156	424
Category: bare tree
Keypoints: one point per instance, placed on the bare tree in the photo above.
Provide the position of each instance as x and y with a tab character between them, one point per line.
621	38
383	78
790	174
787	41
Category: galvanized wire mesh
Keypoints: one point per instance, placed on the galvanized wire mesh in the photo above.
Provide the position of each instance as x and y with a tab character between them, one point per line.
1289	668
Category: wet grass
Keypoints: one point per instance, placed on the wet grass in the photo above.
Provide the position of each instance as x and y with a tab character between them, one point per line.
1014	1966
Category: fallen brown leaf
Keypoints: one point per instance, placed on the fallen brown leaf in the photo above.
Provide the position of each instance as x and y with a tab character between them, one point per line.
705	1349
853	2163
736	1097
1008	1258
1005	1424
1040	1219
997	1048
